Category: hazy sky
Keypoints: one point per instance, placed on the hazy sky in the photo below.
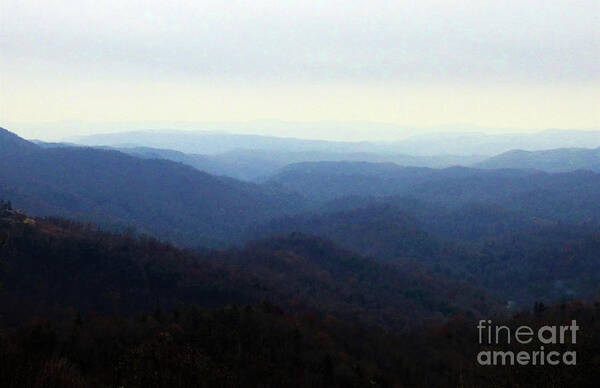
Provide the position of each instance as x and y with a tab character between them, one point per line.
107	65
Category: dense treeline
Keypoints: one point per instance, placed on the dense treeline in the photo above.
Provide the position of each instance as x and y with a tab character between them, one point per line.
263	346
189	347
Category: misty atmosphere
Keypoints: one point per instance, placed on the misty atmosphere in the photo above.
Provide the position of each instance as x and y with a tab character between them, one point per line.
299	194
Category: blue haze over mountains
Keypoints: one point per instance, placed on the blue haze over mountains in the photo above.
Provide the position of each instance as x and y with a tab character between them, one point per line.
467	143
253	157
112	242
443	218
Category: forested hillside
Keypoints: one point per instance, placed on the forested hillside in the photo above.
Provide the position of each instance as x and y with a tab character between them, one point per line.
166	199
572	197
83	308
50	263
511	257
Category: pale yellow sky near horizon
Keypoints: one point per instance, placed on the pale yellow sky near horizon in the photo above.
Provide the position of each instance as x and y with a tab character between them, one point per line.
516	66
427	108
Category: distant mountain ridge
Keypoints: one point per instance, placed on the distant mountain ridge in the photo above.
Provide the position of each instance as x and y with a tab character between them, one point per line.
258	165
206	142
458	144
567	197
330	180
474	143
555	160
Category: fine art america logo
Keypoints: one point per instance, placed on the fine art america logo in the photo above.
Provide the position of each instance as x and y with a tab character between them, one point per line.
495	335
